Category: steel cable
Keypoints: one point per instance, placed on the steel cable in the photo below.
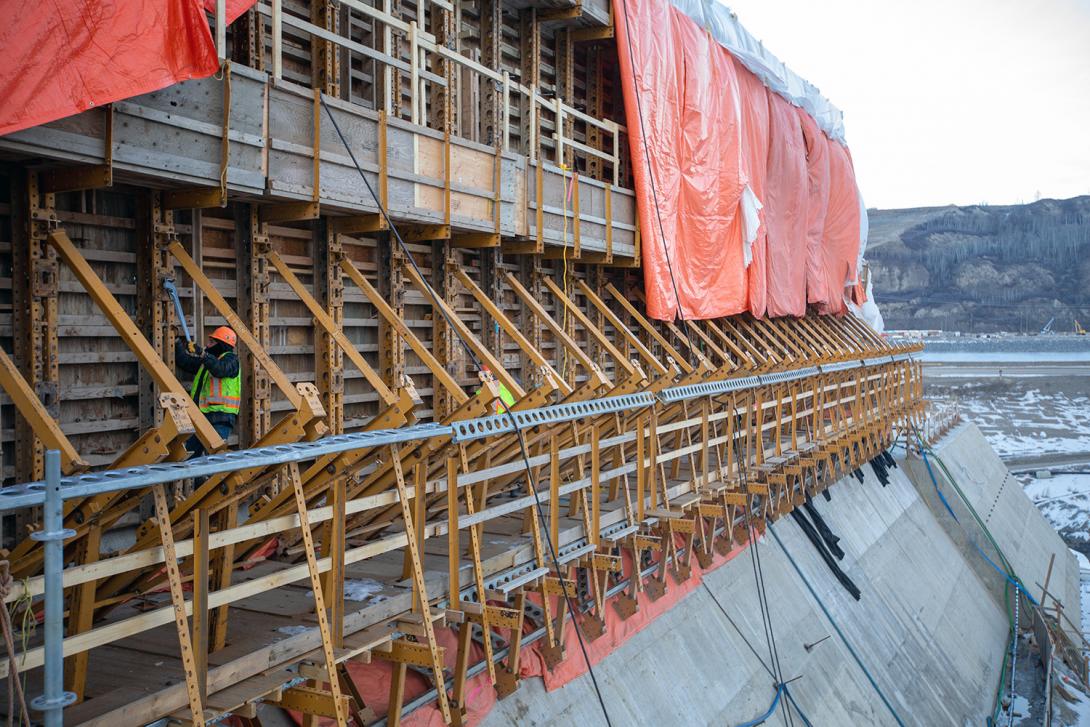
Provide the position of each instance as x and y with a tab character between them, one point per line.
480	369
758	573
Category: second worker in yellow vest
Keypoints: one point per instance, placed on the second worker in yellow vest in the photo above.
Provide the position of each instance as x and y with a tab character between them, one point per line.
217	381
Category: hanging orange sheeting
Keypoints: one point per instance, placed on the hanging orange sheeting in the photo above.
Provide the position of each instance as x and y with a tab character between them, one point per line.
691	130
817	172
841	243
703	129
753	96
234	8
66	56
785	202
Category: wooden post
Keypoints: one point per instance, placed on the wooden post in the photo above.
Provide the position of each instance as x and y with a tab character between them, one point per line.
201	582
554	493
595	485
329	291
333	547
277	39
34	283
319	600
641	471
1048	577
454	546
81	613
177	599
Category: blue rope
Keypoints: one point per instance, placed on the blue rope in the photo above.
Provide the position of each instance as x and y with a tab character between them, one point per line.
768	712
1013	581
935	482
1006	574
840	633
783	691
791	698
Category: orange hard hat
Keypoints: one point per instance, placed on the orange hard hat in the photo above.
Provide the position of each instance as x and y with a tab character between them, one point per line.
225	334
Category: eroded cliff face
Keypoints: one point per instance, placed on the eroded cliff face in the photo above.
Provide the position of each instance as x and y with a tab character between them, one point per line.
904	278
983	268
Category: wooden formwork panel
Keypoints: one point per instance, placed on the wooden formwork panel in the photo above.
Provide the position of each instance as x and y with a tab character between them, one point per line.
79	138
361	328
416	185
173	135
8	190
558	212
291	145
99	375
99	403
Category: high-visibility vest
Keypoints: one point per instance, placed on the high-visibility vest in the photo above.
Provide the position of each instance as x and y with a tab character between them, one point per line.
506	400
212	394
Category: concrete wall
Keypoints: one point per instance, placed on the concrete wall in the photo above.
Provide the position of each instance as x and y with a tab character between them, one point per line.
1025	536
928	627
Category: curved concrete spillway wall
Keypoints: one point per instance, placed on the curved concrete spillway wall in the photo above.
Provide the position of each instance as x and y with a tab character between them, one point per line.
930	627
1026	538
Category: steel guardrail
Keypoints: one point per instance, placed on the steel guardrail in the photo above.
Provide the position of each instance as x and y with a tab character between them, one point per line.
131	478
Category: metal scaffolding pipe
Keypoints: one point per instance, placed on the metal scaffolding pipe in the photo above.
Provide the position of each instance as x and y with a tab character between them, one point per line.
54	699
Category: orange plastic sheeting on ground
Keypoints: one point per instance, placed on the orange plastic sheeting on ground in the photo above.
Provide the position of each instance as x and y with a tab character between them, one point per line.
686	117
234	8
755	150
373	680
817	168
64	57
841	244
619	630
787	190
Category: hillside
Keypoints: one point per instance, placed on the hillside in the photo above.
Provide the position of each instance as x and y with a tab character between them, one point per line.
983	268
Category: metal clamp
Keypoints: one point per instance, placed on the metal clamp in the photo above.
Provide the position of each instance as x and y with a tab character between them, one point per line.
41	704
44	537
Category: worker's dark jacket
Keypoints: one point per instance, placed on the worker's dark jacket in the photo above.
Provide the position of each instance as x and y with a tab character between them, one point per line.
217	365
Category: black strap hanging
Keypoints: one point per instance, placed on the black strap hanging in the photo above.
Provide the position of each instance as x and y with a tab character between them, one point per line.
812	534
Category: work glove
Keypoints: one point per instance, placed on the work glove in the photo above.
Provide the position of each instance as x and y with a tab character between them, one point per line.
190	347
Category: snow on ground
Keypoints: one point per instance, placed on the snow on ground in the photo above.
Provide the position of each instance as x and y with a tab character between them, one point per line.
1070	706
1022	712
1026	422
1084	581
1036	419
361	589
1064	500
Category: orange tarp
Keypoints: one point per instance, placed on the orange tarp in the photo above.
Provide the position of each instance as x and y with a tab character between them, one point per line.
817	171
711	144
234	8
689	123
62	58
373	680
753	97
841	243
785	202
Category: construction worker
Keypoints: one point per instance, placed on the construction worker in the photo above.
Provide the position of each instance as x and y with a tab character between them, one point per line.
506	397
217	381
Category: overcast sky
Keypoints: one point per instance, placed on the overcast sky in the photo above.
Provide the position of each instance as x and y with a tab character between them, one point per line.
946	101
